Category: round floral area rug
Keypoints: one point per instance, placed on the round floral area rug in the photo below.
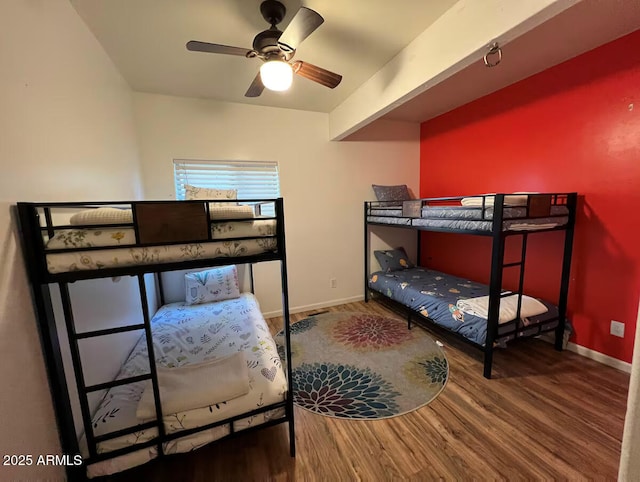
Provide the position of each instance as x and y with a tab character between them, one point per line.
363	366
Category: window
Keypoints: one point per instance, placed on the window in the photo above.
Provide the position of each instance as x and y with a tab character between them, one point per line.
252	179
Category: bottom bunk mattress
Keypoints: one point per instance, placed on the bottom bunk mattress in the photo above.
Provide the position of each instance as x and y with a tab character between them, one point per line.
436	295
183	335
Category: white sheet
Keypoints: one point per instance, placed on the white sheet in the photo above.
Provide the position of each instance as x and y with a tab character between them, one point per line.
508	307
510	200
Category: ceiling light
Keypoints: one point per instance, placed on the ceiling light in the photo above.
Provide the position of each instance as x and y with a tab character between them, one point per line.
276	75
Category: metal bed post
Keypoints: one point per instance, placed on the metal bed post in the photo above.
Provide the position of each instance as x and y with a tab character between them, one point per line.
521	264
251	278
366	255
152	362
160	286
572	199
495	284
57	381
285	318
50	343
77	367
418	263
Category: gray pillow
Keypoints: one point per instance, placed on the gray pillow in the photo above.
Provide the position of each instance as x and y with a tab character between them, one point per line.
391	193
393	260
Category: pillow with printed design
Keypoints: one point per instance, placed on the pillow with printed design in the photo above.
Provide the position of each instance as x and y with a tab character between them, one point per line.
215	284
393	260
392	194
194	193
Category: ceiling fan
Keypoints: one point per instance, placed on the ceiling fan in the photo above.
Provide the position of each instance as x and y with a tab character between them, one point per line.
276	49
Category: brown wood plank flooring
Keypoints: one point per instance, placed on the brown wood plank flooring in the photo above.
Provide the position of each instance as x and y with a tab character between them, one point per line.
545	415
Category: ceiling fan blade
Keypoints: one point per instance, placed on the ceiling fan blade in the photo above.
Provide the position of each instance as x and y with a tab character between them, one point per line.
317	74
196	46
303	24
256	87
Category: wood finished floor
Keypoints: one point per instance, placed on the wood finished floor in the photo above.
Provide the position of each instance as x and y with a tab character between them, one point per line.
545	415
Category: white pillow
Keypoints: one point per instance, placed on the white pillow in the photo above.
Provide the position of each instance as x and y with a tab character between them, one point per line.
212	285
193	193
102	216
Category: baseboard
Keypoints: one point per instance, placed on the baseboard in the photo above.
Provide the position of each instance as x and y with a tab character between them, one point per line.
600	357
315	306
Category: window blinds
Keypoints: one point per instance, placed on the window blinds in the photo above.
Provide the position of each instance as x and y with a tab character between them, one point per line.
252	179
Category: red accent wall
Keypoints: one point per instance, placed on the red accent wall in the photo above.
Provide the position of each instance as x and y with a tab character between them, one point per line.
573	127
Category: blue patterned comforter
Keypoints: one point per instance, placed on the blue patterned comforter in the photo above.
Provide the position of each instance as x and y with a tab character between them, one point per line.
435	294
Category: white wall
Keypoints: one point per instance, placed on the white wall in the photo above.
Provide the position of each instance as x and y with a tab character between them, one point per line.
323	183
67	134
629	460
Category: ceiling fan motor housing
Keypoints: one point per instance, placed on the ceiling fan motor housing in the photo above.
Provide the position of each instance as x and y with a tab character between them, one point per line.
272	11
266	42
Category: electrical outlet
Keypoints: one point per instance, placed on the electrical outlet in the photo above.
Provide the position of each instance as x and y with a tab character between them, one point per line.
617	328
333	283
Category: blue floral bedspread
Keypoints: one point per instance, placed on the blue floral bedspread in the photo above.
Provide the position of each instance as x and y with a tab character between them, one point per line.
435	294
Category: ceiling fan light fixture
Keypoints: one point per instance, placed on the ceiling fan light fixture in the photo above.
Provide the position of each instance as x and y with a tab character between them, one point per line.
276	75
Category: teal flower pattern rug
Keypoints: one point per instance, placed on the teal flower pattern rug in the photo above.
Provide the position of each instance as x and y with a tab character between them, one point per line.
363	366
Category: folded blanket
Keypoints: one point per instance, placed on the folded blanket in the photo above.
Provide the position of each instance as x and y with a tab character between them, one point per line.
531	226
511	200
195	386
230	211
508	307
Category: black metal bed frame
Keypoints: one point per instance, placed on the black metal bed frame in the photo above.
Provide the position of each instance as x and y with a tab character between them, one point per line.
412	210
33	244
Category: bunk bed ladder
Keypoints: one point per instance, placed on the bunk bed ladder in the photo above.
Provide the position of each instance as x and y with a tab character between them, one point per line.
84	390
518	264
495	284
152	362
74	348
495	288
494	302
286	321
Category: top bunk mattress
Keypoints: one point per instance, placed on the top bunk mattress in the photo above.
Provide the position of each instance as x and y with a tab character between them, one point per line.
474	214
81	240
259	233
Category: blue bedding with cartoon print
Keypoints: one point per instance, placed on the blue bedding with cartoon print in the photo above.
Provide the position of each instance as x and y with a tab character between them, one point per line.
434	294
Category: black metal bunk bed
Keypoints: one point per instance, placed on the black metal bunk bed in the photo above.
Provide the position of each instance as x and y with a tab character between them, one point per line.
492	216
154	224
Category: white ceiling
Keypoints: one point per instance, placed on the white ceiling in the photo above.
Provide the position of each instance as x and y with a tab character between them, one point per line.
580	28
146	41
